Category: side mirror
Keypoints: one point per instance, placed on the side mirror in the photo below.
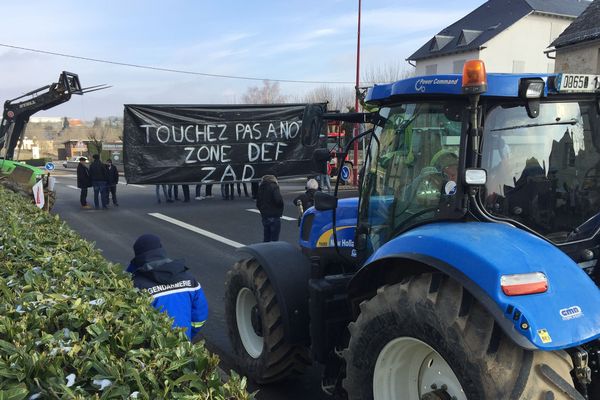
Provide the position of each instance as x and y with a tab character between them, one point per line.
325	202
475	176
321	155
312	124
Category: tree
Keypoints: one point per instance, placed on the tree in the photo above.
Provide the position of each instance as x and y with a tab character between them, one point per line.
269	93
338	98
96	136
96	139
386	73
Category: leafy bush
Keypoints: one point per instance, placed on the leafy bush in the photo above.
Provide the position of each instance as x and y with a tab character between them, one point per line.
72	326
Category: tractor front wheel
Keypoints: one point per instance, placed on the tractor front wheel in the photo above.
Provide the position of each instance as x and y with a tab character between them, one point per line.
427	338
255	326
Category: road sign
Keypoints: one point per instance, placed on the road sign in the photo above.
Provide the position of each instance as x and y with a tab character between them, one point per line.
345	173
49	166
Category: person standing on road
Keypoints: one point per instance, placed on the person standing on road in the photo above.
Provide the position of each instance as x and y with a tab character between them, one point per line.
324	171
254	189
227	191
173	193
270	204
306	199
100	182
208	191
186	193
239	189
173	289
164	189
113	180
83	181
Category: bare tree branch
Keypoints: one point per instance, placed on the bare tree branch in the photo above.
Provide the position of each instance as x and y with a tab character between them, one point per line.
269	93
339	98
386	73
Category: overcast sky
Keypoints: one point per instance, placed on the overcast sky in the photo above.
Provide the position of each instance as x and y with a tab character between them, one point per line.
298	40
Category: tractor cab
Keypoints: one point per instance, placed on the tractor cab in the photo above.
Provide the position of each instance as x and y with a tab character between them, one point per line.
531	142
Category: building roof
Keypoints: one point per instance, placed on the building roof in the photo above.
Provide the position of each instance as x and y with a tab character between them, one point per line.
586	27
494	16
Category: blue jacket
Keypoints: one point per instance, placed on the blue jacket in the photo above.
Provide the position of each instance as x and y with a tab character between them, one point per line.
175	291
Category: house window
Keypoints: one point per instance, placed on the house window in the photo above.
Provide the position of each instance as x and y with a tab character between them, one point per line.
467	36
439	42
457	66
518	66
431	69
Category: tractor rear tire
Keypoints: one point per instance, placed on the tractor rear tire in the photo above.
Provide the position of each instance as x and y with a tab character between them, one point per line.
431	317
255	326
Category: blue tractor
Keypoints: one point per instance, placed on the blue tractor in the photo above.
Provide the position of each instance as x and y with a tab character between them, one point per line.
467	266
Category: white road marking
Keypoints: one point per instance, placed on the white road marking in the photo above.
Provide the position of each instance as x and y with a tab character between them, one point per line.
197	230
73	187
254	210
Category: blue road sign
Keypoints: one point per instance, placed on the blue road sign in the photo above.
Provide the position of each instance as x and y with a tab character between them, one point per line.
345	174
49	166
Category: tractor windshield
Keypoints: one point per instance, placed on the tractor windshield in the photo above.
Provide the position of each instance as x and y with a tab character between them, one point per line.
412	167
545	172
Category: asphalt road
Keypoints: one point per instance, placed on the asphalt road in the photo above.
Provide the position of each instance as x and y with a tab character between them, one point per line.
208	251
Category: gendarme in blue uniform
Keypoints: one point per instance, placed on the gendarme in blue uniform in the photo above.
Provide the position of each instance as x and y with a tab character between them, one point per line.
175	291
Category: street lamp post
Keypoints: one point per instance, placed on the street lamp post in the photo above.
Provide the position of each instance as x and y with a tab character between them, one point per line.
355	165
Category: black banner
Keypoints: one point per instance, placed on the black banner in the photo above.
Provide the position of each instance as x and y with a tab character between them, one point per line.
204	143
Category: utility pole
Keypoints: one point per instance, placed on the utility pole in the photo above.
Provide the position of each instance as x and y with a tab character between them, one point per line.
355	165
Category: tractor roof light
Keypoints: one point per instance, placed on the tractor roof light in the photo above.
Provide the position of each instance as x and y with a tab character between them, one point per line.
531	88
474	78
521	284
531	91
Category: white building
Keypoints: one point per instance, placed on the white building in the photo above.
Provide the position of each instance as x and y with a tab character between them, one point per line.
508	35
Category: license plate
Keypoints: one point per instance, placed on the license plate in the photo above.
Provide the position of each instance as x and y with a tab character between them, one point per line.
578	83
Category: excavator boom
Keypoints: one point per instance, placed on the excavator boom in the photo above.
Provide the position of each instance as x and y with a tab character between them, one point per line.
18	110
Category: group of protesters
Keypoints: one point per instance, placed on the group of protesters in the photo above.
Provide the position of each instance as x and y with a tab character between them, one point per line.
102	177
170	192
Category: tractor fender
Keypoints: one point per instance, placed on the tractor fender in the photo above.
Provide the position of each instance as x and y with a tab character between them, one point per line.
288	271
477	255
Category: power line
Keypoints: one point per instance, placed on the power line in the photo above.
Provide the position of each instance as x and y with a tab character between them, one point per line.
178	71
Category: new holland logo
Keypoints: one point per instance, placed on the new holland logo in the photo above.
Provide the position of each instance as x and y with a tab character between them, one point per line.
571	312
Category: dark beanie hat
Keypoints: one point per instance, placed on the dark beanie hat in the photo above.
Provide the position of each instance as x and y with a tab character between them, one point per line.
146	243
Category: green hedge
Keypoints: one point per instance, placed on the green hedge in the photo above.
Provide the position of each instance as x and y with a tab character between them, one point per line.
73	327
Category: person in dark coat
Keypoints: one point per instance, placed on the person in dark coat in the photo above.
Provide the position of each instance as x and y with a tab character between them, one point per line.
99	181
173	289
83	181
270	204
113	180
306	199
